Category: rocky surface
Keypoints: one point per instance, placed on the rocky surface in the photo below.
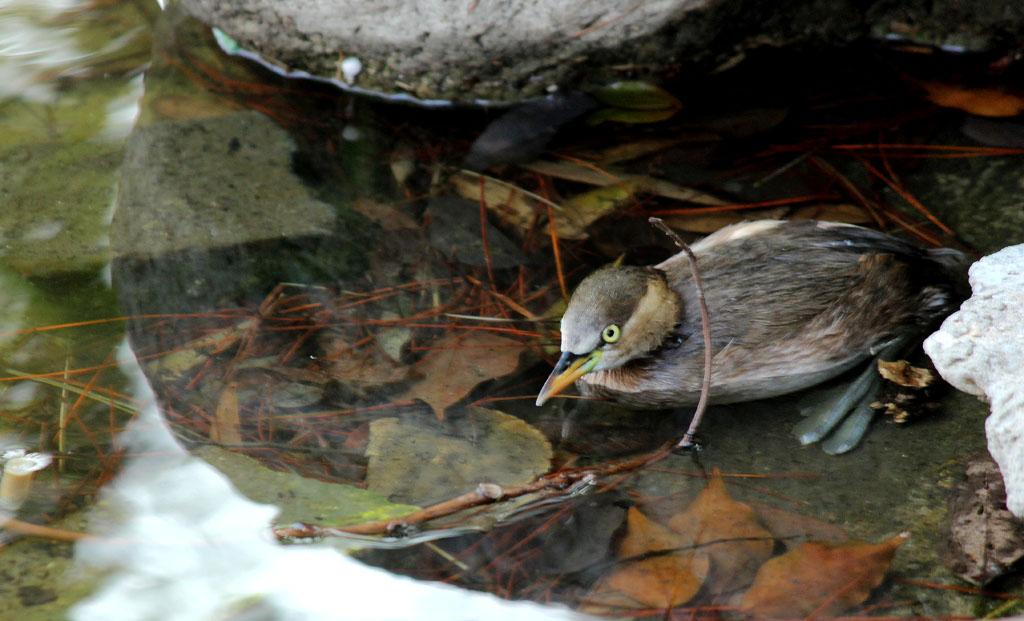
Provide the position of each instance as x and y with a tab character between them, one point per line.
978	350
211	182
506	51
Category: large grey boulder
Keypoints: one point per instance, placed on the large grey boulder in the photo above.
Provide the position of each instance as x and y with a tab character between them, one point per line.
980	350
472	50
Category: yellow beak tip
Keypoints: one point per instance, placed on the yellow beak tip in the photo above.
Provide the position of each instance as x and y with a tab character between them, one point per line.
565	374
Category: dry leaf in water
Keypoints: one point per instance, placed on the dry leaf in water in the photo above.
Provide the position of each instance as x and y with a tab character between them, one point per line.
821	578
514	208
456	363
385	215
582	210
363	365
793	529
422	461
226	425
657	581
985	539
744	543
980	101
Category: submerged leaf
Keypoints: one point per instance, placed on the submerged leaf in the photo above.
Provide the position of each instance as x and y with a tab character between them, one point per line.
981	101
657	581
522	134
424	461
623	115
793	529
226	425
458	362
369	366
821	578
298	497
660	581
637	95
715	517
634	102
985	539
584	209
514	208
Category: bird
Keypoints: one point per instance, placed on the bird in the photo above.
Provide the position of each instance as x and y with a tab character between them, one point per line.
792	304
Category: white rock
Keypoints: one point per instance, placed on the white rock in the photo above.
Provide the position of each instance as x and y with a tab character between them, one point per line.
980	350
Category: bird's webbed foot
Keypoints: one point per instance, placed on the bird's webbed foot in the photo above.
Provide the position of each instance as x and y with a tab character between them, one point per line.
845	417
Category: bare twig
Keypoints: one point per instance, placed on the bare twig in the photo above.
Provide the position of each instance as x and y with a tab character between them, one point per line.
45	532
484	494
705	320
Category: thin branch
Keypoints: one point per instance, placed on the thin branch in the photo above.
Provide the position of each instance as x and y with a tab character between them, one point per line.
705	320
484	494
46	532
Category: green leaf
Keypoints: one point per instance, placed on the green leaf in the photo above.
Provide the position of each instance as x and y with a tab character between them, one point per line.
623	115
637	96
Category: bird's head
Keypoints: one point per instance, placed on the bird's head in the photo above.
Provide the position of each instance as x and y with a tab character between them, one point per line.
616	314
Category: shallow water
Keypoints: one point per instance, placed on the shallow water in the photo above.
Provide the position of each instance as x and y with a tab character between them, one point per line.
307	313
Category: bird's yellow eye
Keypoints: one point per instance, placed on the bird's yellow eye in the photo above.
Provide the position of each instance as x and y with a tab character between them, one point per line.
611	333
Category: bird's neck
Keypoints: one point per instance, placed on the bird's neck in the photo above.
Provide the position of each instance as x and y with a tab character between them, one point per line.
656	315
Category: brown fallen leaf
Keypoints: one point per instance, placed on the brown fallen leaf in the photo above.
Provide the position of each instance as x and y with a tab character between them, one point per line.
982	101
903	373
364	365
514	207
820	578
582	210
602	176
715	517
226	426
386	215
517	209
793	529
659	581
184	362
456	363
984	538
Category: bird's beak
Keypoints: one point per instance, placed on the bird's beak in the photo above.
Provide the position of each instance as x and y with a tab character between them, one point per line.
567	370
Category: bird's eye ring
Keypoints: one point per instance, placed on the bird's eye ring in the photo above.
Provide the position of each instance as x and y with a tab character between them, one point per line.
611	333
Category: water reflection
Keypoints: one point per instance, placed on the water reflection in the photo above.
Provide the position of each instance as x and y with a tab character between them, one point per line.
178	542
314	307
